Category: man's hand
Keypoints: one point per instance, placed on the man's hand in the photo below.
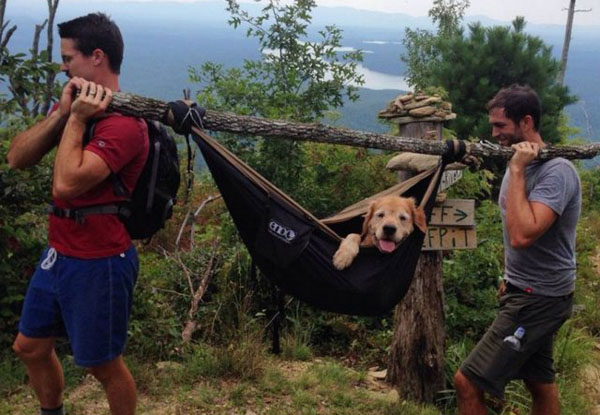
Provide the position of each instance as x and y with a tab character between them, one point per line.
68	96
93	100
501	288
525	152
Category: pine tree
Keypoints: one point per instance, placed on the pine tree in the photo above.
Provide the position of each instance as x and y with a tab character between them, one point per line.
473	66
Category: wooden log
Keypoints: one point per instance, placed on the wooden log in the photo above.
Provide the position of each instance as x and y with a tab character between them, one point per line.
153	109
416	359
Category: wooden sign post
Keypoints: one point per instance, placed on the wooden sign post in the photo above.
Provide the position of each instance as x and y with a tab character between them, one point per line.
452	226
416	361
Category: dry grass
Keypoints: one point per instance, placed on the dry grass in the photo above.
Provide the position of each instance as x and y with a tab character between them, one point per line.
285	387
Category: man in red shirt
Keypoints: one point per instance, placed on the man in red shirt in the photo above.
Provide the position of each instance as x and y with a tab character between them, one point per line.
83	285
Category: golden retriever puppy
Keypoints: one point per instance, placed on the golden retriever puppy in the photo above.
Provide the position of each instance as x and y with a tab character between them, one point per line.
389	221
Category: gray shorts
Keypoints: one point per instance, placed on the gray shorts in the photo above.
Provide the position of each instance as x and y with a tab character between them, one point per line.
492	363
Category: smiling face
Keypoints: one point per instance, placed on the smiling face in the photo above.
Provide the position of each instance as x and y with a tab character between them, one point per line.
390	220
504	129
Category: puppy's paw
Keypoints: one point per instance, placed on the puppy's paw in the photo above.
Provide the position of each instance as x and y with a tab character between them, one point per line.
343	258
347	251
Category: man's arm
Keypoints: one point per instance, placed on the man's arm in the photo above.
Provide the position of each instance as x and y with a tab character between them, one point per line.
29	146
76	171
525	221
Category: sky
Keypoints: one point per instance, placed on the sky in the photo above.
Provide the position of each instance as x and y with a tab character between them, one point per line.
534	11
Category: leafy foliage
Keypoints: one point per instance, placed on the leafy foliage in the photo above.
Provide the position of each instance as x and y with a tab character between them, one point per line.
23	78
587	289
471	278
473	66
23	194
296	79
22	231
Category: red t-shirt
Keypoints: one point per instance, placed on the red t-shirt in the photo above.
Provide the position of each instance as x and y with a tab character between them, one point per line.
122	142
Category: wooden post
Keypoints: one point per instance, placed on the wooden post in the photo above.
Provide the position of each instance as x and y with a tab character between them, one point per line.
416	361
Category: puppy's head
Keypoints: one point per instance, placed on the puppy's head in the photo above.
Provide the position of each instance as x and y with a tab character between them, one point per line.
390	220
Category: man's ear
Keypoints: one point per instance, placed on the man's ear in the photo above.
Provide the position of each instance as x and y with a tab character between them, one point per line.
527	124
98	56
365	228
418	216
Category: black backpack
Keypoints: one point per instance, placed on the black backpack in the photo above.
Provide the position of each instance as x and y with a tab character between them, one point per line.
151	203
155	192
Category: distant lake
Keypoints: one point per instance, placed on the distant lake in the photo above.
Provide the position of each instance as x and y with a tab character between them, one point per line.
379	80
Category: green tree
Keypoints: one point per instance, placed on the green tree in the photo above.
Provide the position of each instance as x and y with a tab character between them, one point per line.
29	80
296	78
421	47
23	193
473	65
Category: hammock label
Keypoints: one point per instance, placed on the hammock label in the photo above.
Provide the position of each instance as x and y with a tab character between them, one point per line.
282	232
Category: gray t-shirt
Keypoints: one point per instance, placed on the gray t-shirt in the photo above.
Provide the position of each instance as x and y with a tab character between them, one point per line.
547	267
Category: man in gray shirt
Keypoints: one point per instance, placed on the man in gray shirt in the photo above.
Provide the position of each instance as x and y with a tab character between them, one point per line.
540	204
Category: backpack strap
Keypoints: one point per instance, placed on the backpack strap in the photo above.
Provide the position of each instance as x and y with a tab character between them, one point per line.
119	188
79	214
153	176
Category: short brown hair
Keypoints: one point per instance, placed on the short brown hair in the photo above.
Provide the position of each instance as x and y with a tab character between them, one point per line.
518	101
95	31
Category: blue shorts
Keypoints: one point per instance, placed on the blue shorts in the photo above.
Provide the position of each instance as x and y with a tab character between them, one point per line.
90	299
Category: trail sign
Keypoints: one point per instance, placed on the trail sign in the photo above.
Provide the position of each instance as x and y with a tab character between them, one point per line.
449	238
449	177
454	212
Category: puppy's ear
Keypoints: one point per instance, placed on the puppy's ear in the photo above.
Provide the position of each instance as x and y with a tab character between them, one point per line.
368	217
418	216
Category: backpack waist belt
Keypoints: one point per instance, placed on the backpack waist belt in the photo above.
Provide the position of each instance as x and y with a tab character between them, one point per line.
79	214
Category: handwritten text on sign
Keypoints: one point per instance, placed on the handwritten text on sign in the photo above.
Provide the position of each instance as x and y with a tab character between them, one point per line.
448	238
454	212
449	177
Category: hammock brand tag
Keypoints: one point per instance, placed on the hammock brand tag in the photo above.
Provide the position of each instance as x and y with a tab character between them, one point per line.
285	234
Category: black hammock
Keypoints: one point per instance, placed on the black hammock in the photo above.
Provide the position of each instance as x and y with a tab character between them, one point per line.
295	249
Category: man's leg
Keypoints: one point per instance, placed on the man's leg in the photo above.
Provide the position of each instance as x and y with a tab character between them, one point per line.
470	397
43	367
544	397
118	384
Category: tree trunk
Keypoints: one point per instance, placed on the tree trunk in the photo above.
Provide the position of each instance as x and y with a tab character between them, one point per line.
5	37
416	365
566	43
416	361
34	53
51	76
247	125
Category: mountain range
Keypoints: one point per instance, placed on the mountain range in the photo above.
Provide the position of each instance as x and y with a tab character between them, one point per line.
164	39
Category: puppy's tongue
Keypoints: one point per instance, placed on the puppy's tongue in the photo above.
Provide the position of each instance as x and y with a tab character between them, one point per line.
386	246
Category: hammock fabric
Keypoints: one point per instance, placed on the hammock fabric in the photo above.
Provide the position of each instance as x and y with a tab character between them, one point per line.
295	250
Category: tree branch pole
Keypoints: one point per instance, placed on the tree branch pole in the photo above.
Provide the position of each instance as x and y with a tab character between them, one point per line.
153	109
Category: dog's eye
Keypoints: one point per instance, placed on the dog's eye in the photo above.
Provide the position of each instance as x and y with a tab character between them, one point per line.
380	215
403	217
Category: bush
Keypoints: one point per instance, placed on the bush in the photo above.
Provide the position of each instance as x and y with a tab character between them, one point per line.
23	198
471	277
587	288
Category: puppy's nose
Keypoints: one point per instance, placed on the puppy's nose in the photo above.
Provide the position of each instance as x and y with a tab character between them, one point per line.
389	230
